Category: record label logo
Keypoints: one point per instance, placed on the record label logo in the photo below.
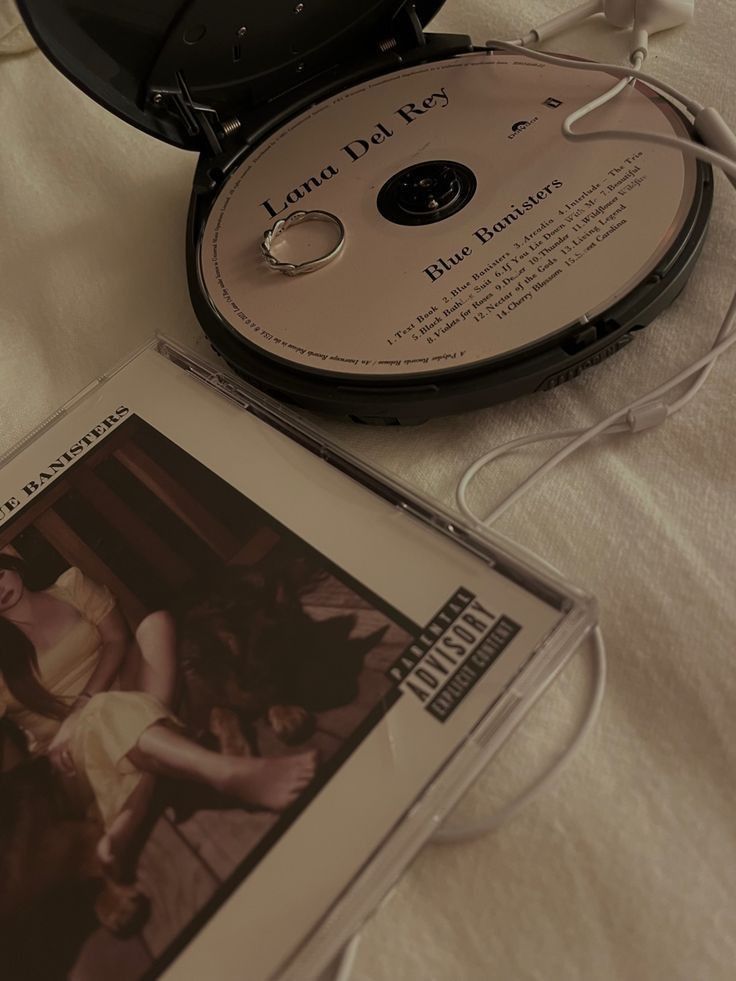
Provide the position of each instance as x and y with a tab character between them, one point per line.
520	126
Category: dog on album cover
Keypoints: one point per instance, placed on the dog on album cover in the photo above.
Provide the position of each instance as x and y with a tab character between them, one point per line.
249	650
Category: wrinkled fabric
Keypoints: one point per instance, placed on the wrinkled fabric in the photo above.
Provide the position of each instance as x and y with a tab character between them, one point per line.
624	870
14	38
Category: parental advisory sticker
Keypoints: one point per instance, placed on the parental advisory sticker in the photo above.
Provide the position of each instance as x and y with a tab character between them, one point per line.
453	653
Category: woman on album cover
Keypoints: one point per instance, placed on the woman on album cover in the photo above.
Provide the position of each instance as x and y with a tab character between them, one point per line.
100	704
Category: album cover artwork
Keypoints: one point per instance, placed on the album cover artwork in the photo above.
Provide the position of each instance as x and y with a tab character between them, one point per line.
156	625
226	674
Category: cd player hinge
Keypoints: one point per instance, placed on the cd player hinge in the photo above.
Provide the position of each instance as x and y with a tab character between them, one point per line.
408	32
195	115
230	126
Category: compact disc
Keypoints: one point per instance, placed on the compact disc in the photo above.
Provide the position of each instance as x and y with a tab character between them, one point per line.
473	229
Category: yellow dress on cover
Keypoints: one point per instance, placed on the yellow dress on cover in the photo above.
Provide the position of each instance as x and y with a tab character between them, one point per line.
110	723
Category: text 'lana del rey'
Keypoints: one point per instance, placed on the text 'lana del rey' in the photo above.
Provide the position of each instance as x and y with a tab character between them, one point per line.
356	149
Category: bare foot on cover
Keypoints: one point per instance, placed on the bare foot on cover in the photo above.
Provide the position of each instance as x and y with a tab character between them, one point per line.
271	782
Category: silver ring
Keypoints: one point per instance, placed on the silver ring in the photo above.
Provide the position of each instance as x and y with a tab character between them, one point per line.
296	218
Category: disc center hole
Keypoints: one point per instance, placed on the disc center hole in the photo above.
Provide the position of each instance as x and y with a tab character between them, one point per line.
426	192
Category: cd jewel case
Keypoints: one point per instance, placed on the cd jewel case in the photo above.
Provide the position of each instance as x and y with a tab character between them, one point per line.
263	673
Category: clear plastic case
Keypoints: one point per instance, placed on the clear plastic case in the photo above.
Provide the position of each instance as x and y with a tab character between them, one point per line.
400	646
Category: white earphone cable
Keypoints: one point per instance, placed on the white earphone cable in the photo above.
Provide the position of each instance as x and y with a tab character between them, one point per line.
466	832
576	438
642	413
608	68
648	410
347	959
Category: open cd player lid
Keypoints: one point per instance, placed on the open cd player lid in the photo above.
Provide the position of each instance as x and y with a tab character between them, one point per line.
173	69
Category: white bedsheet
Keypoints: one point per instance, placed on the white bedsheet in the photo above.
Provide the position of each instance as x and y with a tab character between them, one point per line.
627	868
